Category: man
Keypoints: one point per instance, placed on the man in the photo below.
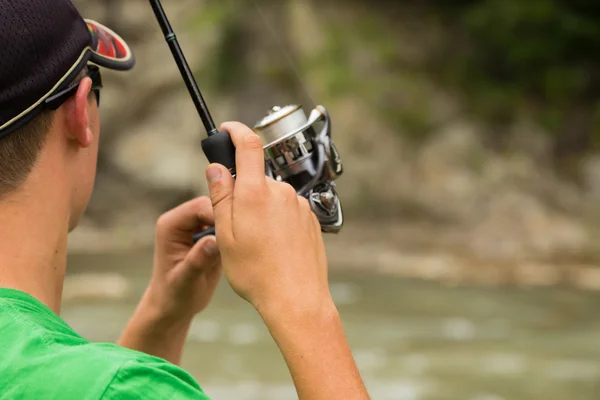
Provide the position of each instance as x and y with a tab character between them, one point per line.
268	242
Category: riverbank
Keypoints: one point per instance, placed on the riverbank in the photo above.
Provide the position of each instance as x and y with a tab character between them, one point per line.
413	251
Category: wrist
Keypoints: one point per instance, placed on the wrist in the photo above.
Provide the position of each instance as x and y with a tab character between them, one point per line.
298	313
160	317
154	332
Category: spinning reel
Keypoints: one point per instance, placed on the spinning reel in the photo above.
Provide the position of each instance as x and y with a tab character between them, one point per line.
307	160
300	149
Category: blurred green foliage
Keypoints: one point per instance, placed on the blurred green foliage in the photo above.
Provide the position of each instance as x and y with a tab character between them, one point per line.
502	58
223	70
537	56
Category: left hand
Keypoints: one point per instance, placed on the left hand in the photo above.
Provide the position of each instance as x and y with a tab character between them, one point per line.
185	275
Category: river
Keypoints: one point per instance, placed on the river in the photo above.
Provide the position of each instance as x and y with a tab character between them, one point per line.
412	340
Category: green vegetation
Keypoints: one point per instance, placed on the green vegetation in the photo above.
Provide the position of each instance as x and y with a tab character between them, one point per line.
503	58
537	56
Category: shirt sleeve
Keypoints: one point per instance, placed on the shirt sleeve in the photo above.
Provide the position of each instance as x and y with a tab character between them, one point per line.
152	381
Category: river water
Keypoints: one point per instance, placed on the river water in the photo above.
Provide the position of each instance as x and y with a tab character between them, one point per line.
412	340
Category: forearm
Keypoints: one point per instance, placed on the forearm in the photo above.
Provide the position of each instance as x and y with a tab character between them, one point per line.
153	333
317	353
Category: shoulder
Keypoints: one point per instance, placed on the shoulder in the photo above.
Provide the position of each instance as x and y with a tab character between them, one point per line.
127	374
144	377
135	375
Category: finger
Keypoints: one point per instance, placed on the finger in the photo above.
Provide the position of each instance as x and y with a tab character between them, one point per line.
187	217
249	156
309	215
220	185
305	206
203	258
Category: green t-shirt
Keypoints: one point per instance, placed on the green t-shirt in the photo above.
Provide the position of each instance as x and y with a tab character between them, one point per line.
41	357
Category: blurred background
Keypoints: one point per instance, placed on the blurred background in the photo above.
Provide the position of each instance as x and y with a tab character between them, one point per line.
468	267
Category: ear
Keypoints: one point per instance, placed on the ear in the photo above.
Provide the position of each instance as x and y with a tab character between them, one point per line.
77	119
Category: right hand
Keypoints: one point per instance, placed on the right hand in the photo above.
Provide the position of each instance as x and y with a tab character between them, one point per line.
273	255
271	244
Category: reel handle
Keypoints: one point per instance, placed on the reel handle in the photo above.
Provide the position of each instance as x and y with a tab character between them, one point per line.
209	232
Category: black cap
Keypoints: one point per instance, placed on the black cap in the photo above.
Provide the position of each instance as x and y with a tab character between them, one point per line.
44	45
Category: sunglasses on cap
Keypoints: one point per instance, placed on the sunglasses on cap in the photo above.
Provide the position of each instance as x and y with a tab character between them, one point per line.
55	101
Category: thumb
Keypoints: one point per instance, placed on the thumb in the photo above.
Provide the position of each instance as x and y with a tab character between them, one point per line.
202	258
220	185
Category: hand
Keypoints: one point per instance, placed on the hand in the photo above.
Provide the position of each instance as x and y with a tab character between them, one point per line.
274	257
184	279
185	275
270	240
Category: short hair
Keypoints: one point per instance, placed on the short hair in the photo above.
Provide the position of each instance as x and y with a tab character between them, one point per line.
19	151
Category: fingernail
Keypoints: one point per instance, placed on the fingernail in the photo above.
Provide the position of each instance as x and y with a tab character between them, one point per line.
213	174
210	248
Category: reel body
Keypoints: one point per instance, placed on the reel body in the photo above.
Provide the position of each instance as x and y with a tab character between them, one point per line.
301	152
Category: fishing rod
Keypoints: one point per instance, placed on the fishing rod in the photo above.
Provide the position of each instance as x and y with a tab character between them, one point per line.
296	153
218	146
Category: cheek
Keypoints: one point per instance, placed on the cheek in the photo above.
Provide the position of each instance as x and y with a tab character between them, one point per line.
94	125
91	158
94	121
94	149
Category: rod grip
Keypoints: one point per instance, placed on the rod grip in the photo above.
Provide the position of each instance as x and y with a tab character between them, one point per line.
219	149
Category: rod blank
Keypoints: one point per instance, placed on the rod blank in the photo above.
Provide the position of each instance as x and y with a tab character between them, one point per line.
184	68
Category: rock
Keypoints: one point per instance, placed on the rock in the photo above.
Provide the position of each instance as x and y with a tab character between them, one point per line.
587	278
445	175
537	274
164	150
517	226
591	173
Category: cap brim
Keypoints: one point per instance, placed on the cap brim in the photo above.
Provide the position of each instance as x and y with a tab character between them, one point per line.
109	50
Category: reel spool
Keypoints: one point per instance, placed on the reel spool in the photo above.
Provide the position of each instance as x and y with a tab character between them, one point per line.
305	157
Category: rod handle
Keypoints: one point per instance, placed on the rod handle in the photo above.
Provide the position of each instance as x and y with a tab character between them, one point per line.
219	149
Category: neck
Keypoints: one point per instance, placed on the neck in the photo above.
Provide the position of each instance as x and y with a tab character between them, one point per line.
34	224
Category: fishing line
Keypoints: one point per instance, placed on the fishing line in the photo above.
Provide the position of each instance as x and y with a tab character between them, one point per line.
285	52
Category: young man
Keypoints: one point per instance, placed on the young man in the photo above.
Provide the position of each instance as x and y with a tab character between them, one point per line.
268	242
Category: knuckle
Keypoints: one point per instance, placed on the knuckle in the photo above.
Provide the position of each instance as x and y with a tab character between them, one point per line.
272	184
252	189
217	193
234	127
238	131
218	198
163	222
281	193
304	204
204	202
253	142
288	189
287	192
